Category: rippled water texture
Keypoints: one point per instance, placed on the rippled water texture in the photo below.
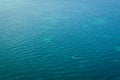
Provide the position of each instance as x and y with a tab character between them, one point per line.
59	40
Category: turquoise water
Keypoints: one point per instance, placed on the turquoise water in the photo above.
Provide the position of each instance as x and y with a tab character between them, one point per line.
59	40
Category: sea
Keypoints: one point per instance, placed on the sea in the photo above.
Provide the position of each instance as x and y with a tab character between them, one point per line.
59	39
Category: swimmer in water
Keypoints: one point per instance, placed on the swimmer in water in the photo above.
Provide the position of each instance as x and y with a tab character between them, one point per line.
74	58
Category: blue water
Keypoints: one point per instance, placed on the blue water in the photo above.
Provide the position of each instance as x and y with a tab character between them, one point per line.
59	40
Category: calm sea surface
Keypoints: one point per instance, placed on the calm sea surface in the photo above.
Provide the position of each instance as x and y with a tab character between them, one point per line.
59	39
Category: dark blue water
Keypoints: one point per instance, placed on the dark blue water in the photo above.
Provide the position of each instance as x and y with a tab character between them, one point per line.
59	40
